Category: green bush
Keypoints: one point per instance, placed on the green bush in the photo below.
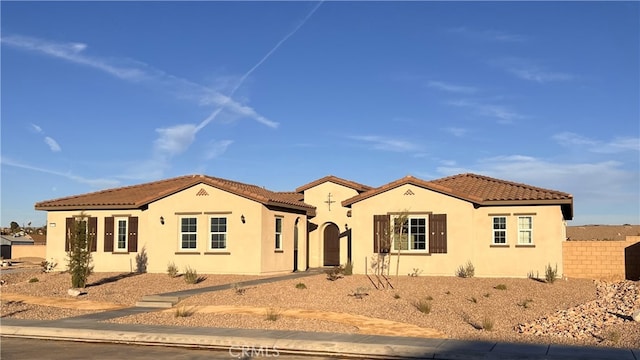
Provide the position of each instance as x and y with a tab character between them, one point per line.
142	261
348	268
172	270
500	287
396	296
182	311
487	323
301	286
190	276
80	259
34	279
551	274
335	273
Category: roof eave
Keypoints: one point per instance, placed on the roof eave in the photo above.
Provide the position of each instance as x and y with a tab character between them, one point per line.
87	207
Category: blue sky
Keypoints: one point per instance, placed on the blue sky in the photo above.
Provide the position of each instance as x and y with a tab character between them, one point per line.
106	94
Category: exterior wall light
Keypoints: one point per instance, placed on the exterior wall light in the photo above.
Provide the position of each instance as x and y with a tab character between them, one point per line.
242	218
162	220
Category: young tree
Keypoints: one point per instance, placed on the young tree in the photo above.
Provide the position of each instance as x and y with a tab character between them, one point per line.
401	239
79	257
15	227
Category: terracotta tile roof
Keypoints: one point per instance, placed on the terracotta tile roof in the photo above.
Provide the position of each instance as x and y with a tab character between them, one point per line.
334	179
136	196
481	190
602	232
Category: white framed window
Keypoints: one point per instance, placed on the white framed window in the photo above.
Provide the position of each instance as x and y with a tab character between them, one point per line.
278	242
525	230
218	233
499	230
188	233
414	234
121	237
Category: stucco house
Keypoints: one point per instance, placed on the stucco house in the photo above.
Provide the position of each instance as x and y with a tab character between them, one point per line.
221	226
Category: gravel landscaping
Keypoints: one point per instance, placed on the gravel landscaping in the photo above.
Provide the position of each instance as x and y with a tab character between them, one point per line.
574	311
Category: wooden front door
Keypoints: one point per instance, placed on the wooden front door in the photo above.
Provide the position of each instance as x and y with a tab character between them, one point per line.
331	245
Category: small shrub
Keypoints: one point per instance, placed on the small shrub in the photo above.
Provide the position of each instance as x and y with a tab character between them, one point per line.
612	336
396	296
429	297
487	295
423	305
335	273
34	279
551	274
301	286
525	303
359	293
473	300
348	268
172	270
466	271
190	275
448	292
182	311
272	314
48	266
500	287
415	272
238	289
142	261
487	323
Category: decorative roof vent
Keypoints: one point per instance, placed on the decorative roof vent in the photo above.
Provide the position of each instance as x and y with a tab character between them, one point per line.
202	192
409	192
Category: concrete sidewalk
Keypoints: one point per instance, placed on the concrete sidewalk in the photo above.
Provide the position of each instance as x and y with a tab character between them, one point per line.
298	342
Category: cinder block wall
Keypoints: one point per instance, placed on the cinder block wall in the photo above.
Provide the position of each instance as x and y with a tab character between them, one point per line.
602	259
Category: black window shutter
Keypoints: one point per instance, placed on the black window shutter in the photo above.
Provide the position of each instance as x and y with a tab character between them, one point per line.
381	236
93	233
438	233
108	234
133	234
70	225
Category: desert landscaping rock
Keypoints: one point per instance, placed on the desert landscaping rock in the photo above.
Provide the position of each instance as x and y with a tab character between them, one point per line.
578	311
76	292
636	316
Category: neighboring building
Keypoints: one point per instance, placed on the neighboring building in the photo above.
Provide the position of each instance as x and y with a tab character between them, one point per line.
6	241
221	226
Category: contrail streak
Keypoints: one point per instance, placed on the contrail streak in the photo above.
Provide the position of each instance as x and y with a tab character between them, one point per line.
214	114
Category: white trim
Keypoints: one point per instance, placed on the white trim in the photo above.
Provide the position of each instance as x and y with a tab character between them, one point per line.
116	234
526	230
494	230
225	233
181	233
278	234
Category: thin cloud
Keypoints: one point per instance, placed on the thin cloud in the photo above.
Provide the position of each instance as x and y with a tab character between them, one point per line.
488	35
36	128
460	89
387	144
53	145
617	145
528	70
176	139
217	148
96	183
501	112
457	132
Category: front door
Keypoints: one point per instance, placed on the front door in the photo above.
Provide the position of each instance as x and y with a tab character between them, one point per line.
331	245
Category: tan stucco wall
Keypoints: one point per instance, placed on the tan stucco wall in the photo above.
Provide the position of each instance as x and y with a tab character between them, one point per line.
245	242
273	260
469	235
317	196
28	251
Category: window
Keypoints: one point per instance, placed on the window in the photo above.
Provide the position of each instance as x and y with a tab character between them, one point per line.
121	234
525	230
414	234
278	243
218	233
188	233
500	230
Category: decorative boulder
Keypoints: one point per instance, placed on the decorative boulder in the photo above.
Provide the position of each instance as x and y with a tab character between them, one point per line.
636	316
75	292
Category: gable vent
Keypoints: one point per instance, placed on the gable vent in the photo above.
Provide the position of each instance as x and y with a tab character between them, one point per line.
409	192
202	192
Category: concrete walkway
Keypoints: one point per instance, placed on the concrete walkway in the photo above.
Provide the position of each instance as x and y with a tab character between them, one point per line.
90	328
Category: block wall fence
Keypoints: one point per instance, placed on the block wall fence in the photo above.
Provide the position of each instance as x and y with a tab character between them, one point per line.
602	259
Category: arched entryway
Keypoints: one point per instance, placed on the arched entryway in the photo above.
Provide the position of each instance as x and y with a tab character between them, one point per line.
331	245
